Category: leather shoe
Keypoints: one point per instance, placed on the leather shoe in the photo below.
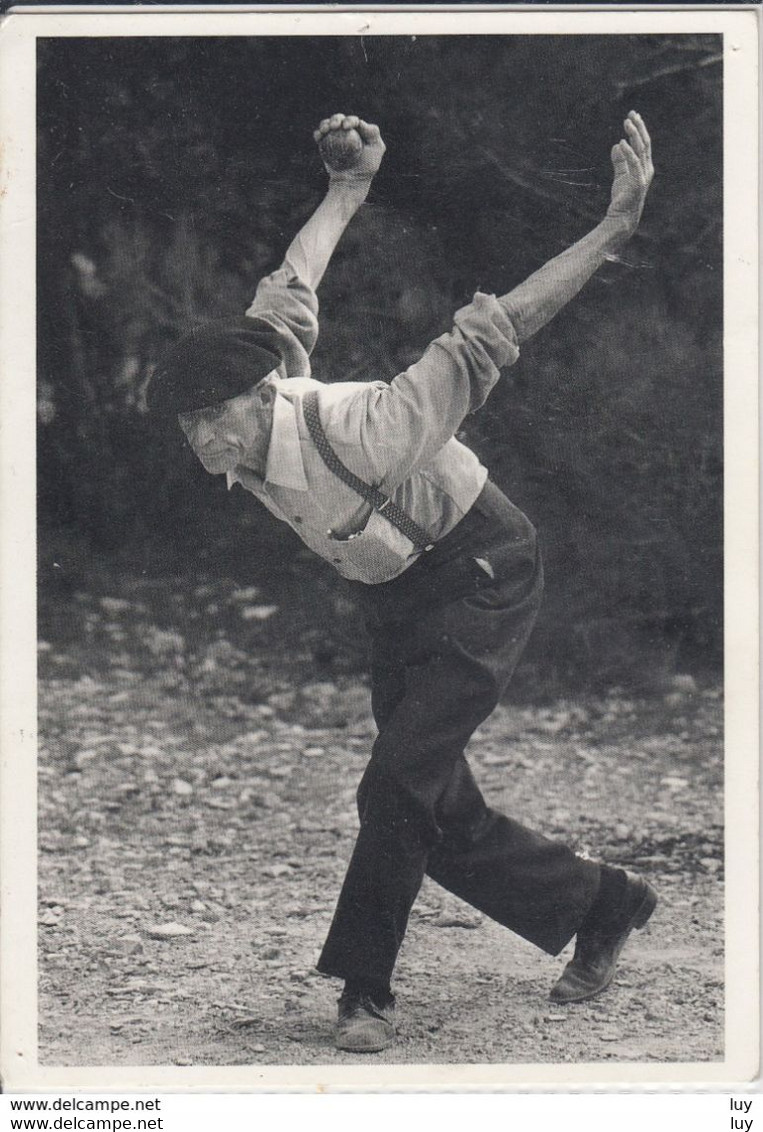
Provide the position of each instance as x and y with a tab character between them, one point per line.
598	946
363	1025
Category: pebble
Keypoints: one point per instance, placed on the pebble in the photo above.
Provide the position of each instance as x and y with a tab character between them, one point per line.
126	945
258	612
82	758
275	871
168	931
457	921
674	783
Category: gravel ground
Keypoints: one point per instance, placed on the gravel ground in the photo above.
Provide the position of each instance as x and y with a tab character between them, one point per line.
192	848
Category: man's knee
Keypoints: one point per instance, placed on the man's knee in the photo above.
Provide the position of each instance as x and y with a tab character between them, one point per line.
393	804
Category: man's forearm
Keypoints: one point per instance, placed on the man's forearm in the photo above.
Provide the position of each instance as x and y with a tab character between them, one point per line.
535	302
310	251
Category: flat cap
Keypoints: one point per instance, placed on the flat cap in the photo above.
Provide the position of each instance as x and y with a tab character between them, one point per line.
213	362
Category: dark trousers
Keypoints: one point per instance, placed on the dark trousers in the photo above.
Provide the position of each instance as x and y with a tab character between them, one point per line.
446	637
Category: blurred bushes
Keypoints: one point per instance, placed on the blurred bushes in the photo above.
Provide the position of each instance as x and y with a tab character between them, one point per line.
172	174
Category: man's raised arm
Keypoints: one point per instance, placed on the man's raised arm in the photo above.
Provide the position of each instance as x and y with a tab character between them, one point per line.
535	302
424	406
352	151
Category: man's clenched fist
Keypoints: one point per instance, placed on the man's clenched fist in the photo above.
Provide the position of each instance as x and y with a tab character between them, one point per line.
350	148
340	149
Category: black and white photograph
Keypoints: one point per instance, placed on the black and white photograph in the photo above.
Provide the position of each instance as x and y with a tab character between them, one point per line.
383	716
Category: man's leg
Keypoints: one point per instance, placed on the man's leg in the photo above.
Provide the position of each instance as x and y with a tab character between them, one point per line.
410	767
530	885
535	886
434	681
438	672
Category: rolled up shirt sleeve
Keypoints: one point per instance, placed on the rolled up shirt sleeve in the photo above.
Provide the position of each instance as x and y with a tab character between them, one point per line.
290	306
408	422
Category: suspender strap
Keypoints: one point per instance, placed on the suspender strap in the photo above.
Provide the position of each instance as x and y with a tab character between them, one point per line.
378	500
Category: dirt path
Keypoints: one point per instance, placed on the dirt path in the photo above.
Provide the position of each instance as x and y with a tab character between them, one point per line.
234	823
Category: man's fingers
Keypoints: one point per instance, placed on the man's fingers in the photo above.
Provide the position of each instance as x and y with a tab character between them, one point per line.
368	132
623	152
336	122
634	137
631	157
641	127
625	159
329	124
643	133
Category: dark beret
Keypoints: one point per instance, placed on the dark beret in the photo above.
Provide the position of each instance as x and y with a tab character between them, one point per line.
212	363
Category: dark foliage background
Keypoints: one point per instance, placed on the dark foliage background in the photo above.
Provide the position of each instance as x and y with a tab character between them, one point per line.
173	172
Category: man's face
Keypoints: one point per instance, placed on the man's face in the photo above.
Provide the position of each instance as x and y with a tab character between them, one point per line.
231	432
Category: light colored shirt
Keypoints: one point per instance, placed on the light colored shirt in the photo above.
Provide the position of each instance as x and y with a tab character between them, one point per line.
398	437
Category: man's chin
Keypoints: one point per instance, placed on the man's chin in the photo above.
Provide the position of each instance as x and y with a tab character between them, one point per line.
217	465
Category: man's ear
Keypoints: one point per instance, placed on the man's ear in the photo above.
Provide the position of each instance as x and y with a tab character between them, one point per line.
265	392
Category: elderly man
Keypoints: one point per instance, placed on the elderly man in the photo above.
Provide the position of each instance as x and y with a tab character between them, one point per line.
445	568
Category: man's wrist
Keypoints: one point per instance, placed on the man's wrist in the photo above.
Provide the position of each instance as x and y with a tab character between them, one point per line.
347	196
352	183
620	226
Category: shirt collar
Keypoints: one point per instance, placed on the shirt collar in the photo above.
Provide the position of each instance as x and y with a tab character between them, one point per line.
284	467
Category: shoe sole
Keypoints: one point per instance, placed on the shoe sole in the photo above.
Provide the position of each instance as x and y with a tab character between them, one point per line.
370	1036
376	1048
359	1046
637	921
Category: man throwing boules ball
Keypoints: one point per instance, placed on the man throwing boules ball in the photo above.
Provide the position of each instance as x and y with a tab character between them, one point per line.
444	567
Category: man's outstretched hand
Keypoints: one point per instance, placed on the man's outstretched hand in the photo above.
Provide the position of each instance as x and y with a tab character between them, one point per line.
351	149
632	161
